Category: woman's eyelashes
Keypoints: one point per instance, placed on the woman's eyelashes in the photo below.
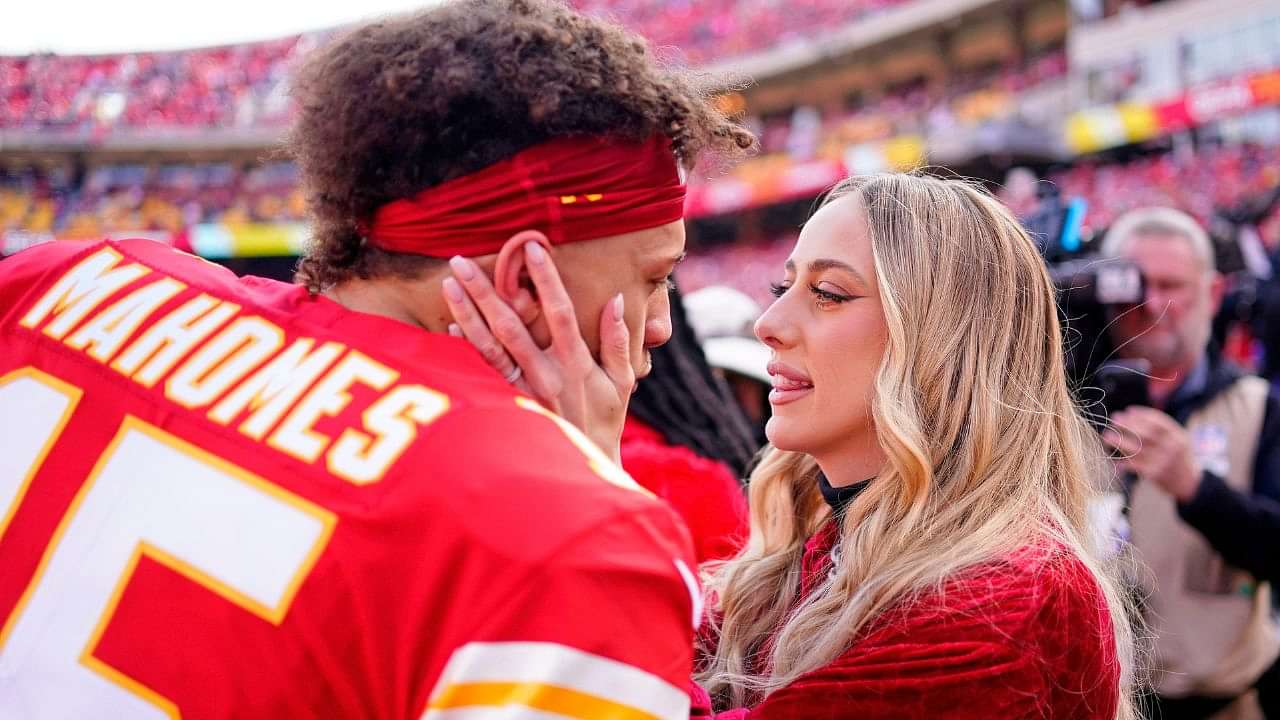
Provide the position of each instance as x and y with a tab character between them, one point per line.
823	295
828	296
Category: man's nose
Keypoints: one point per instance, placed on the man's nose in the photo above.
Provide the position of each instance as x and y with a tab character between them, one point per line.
657	330
1156	301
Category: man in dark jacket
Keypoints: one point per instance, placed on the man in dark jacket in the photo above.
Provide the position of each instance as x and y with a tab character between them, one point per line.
1205	510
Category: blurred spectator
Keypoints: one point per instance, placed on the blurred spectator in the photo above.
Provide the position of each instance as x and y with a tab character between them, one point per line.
687	442
1204	502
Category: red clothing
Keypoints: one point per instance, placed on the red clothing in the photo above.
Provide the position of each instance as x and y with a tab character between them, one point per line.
703	491
1028	637
247	501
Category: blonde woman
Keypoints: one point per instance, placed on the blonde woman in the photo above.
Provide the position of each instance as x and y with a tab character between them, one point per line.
919	543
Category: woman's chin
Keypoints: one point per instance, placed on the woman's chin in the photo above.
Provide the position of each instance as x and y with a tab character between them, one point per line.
783	435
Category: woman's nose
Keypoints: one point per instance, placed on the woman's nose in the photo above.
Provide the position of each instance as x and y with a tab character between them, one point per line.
770	327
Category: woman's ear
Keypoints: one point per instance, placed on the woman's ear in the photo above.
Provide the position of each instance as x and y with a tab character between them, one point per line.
510	266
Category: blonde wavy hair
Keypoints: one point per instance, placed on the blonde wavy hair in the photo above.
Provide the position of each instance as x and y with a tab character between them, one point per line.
986	449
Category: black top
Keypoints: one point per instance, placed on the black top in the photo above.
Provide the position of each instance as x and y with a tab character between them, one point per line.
839	498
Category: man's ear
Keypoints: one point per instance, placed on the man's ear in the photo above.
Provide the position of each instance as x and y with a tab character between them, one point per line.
510	266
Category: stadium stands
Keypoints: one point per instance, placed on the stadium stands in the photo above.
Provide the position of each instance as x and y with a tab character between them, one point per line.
170	198
967	98
708	30
241	85
1213	179
1198	182
244	85
121	198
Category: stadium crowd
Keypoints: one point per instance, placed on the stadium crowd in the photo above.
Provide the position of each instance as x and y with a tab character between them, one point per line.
171	198
913	108
720	29
1200	182
121	198
114	198
1208	182
239	85
243	85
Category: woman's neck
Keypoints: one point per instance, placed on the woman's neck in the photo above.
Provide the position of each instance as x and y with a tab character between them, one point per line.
856	460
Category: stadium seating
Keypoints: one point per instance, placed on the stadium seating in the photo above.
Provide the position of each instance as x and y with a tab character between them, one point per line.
234	86
967	98
708	30
170	198
244	85
122	198
1198	182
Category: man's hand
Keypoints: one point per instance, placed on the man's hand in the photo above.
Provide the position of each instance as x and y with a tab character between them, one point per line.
564	377
1155	448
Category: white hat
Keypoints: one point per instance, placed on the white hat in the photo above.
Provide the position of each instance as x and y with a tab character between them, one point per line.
722	318
745	356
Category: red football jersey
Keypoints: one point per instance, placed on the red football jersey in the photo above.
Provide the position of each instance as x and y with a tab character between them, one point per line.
225	497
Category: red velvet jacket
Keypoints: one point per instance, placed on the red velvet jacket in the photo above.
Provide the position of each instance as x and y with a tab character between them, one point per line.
1027	637
704	492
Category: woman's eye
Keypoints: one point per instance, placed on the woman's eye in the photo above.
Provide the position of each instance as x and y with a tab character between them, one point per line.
828	296
778	289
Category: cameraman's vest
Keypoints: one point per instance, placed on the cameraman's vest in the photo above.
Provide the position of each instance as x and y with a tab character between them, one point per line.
1213	624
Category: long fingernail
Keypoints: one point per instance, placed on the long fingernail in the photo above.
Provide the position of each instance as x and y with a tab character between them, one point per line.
617	307
462	267
454	330
535	252
453	289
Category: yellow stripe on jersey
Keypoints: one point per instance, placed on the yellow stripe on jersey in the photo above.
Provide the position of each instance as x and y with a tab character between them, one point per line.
546	698
489	680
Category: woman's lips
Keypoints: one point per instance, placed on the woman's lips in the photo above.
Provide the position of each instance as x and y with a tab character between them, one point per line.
789	384
778	396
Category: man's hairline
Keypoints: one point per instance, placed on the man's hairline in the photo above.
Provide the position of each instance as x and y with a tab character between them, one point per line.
1153	226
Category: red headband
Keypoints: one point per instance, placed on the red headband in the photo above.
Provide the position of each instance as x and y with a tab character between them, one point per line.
571	189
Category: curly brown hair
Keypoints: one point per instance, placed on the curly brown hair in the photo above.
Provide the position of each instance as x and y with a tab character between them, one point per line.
402	104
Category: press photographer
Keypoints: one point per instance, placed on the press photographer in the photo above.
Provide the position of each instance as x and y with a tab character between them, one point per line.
1204	447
